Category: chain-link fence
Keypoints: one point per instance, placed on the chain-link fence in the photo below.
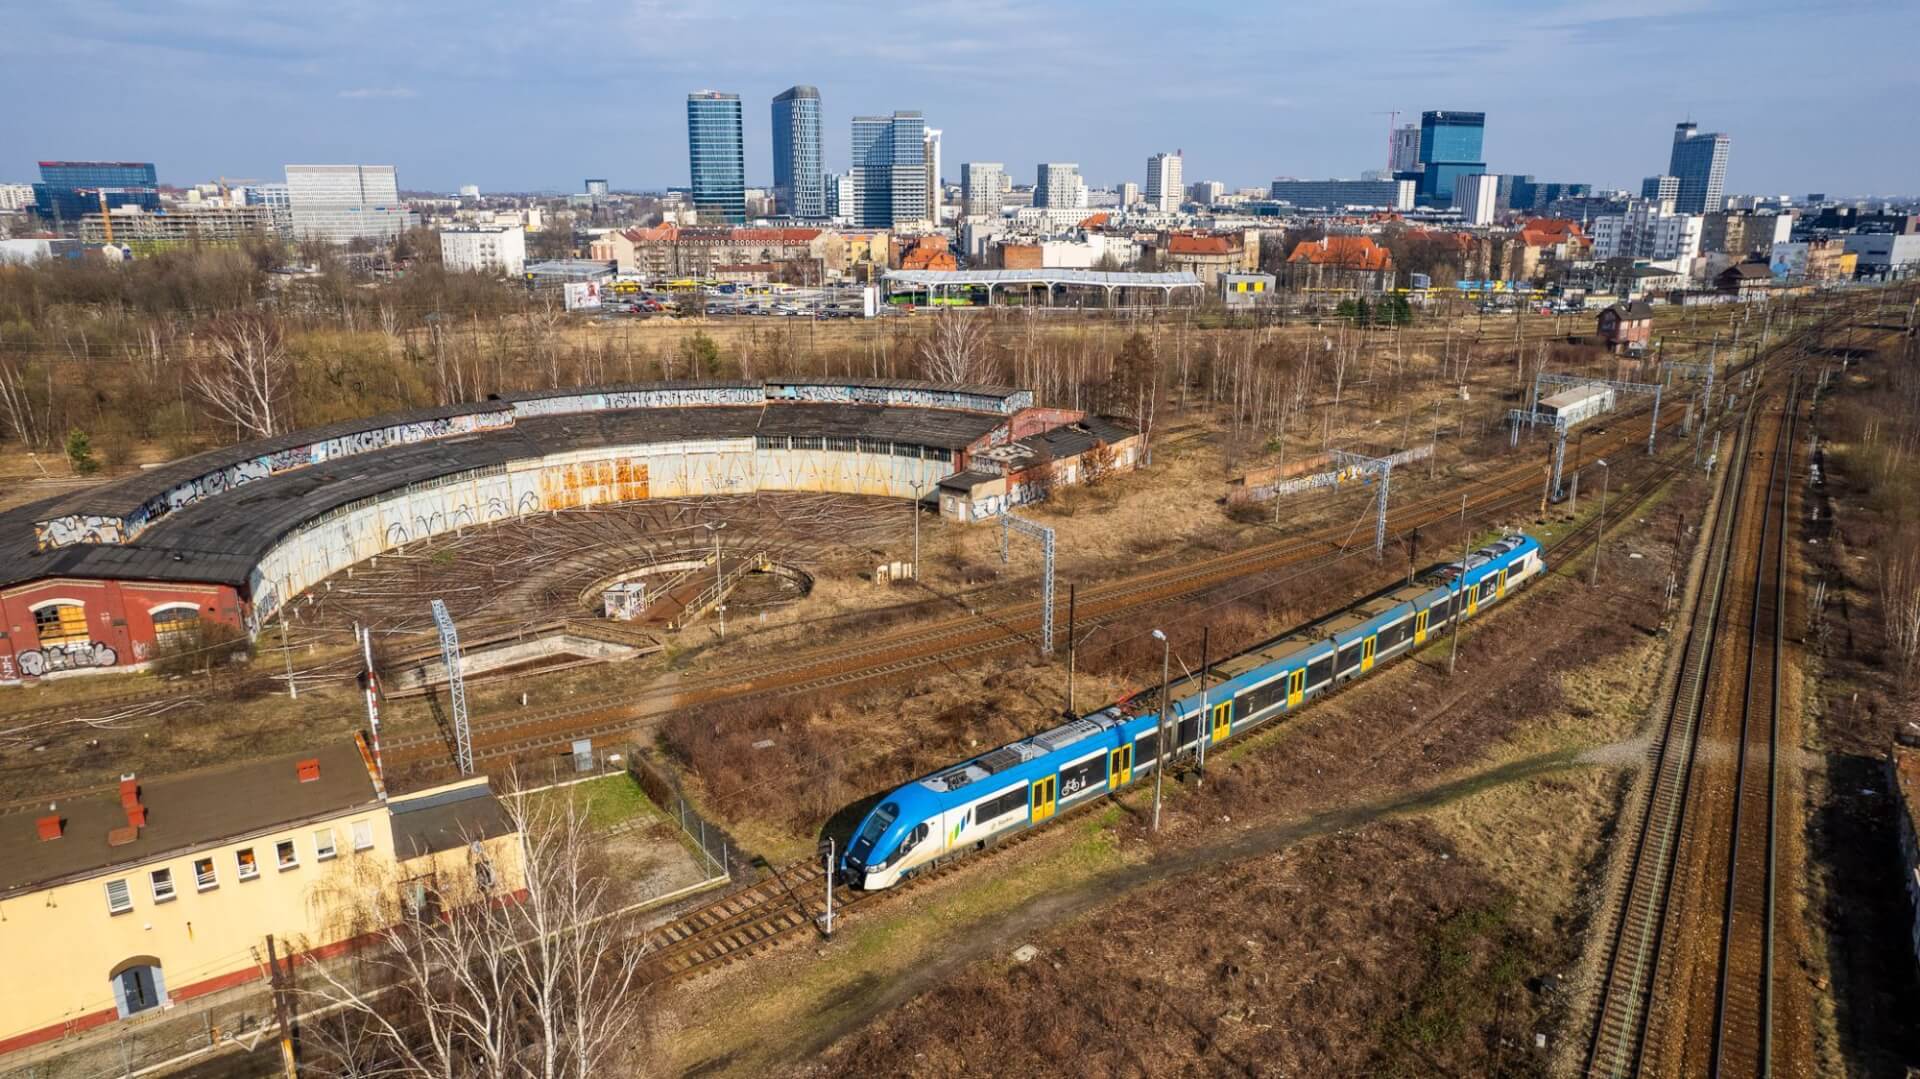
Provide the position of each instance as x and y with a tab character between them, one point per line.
721	853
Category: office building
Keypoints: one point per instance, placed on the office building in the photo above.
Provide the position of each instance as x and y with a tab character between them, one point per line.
1475	195
1699	162
597	188
69	190
1403	153
1129	195
1163	182
1342	194
1450	144
339	204
799	176
1206	192
1057	185
716	152
1660	188
500	249
889	171
14	197
980	187
935	196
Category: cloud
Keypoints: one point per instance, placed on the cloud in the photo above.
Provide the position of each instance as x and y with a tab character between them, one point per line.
382	92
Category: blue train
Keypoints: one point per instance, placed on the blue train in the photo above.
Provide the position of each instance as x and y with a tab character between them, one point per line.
965	807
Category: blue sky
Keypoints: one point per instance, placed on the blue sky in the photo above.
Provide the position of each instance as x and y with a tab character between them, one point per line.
518	96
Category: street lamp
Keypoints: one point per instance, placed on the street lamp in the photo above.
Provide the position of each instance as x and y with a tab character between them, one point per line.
1160	730
918	486
1600	536
718	584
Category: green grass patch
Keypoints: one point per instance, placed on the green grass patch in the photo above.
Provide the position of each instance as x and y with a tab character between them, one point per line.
607	802
1473	959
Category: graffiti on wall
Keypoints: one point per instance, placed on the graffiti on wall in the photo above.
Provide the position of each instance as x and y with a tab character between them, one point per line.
1339	477
615	400
79	528
67	657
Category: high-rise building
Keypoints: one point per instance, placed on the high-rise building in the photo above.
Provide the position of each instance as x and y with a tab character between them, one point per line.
1129	195
69	190
799	179
339	204
1449	148
1648	230
1205	192
1163	182
1475	195
932	154
1403	155
1660	188
980	187
1700	163
484	249
1057	185
597	188
716	150
889	171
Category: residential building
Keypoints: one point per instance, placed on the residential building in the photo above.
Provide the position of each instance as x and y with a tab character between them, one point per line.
1660	188
1341	261
799	176
934	192
980	187
1739	234
1818	261
1475	195
889	171
1344	194
1206	192
716	151
15	197
1745	280
1129	195
498	249
1057	185
1699	162
1627	327
597	188
840	197
1207	255
1450	147
167	889
69	190
339	204
1052	218
1403	153
1648	231
1163	181
214	226
797	255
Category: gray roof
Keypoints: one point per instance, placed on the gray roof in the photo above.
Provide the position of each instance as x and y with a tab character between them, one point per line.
1094	278
1074	439
446	820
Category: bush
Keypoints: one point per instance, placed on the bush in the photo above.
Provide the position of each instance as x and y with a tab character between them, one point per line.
210	645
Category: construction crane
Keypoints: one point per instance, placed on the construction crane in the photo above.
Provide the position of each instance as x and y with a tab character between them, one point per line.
106	218
1393	123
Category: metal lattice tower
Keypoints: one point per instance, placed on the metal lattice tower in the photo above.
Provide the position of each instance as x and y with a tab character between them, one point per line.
1383	466
1653	388
456	687
1518	416
1045	535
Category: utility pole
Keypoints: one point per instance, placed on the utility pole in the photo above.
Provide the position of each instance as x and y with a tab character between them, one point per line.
286	649
917	488
365	634
1459	609
1600	536
1205	732
826	921
1160	736
280	1011
1073	648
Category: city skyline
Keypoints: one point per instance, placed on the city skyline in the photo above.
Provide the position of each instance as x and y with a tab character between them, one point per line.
299	86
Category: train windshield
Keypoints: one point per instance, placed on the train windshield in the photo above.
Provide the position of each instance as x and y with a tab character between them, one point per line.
877	823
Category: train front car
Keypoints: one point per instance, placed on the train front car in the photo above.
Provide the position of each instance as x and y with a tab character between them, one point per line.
886	839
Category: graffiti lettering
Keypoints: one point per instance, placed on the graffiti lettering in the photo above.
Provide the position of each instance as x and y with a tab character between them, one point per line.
67	657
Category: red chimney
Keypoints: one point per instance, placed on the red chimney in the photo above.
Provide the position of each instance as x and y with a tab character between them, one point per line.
309	769
129	790
136	816
49	827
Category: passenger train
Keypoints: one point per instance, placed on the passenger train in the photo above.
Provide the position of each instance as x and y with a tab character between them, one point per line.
967	806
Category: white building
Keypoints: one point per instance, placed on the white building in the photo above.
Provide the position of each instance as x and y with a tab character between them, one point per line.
934	191
1206	192
1884	253
1403	155
16	197
1648	230
469	191
1058	185
1129	195
498	249
1163	182
1049	218
981	185
342	203
1474	196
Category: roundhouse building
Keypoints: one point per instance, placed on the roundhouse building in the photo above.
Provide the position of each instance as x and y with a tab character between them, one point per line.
100	578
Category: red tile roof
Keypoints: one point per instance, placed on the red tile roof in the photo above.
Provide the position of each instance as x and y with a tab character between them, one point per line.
1346	252
1188	243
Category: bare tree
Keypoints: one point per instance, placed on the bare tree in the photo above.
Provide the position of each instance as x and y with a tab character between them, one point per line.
245	375
482	979
956	350
24	419
1900	613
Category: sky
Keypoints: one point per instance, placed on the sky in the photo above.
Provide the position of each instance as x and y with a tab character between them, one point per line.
526	96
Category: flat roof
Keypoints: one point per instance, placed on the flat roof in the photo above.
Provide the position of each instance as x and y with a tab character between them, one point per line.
1092	278
184	812
447	819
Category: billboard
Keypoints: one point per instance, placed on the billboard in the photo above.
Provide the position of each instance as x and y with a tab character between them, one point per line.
581	294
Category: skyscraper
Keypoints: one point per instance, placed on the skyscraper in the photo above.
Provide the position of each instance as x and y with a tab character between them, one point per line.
1700	163
1449	148
343	203
69	190
1057	184
1660	187
799	184
934	193
1404	154
980	183
717	155
889	171
1163	182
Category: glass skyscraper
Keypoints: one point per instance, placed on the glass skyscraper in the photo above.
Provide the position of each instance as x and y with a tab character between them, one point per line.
1449	149
1700	164
716	150
889	170
799	185
69	190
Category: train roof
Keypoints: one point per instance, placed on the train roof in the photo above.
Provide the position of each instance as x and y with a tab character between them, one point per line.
1017	753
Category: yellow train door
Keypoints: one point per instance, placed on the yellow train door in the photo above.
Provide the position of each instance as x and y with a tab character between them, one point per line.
1222	720
1297	688
1366	654
1043	792
1501	588
1473	598
1420	628
1120	766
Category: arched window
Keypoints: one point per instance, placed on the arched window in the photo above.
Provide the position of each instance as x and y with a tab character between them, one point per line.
175	624
60	622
